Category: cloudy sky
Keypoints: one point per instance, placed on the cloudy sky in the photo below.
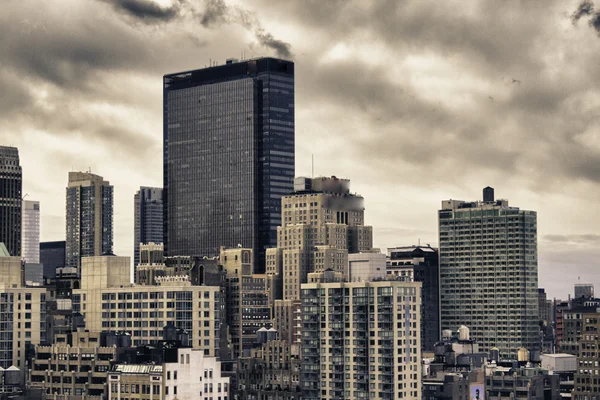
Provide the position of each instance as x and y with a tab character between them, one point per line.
414	101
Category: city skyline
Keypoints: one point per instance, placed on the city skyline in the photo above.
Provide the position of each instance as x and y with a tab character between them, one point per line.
498	109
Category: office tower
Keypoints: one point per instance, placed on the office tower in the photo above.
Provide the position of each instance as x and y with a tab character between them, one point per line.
52	256
361	340
11	181
228	156
420	264
584	290
22	313
247	306
30	237
488	273
148	219
89	217
108	301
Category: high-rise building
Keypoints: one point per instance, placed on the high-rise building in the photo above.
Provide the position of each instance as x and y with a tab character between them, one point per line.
52	256
11	182
360	340
30	225
89	217
228	156
148	219
247	299
420	264
489	274
322	222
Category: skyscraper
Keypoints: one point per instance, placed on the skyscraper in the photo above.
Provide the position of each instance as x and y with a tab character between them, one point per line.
322	222
228	156
89	217
30	238
148	222
11	181
488	272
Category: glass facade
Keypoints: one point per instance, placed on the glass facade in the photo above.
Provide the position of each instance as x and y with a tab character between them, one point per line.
30	238
228	156
52	255
11	181
488	275
148	219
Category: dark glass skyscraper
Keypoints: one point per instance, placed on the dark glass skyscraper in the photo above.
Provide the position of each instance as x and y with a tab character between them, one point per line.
148	223
228	156
52	255
11	181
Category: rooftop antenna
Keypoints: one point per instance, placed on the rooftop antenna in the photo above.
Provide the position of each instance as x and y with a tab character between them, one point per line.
313	165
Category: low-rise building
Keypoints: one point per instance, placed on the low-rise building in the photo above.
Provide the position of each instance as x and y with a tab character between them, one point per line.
75	365
191	375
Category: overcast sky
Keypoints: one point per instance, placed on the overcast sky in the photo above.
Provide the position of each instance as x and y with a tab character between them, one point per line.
414	101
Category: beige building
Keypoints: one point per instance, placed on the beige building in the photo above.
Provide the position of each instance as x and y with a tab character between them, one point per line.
109	302
248	307
22	314
76	370
361	340
135	381
192	376
321	223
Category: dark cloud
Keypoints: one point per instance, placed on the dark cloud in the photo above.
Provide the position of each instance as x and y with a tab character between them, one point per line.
146	10
595	22
282	49
585	9
215	13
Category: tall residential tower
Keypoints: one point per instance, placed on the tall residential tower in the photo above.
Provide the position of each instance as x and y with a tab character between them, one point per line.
148	219
89	217
11	181
228	156
30	238
489	272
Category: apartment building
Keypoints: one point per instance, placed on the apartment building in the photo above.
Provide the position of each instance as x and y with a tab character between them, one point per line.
361	340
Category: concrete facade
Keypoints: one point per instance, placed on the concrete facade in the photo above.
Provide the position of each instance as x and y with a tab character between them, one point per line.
489	273
361	340
109	302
